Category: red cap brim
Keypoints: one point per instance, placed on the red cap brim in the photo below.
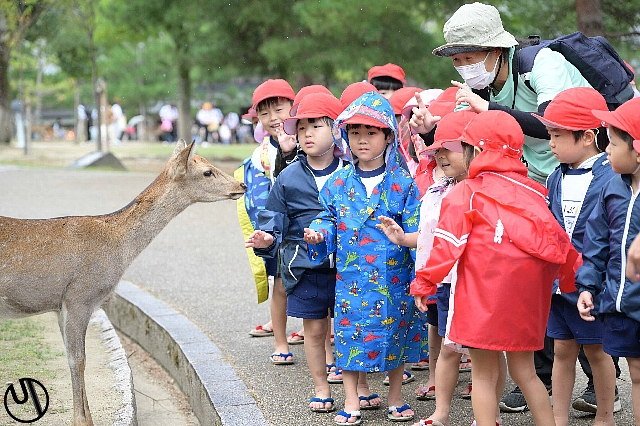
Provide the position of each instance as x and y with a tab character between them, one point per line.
365	120
554	125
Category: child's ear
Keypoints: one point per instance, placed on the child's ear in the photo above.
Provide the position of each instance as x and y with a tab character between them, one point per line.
588	137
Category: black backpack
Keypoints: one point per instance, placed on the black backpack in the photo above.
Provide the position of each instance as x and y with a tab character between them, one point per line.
594	57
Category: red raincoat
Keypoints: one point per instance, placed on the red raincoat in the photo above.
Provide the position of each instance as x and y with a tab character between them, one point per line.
510	249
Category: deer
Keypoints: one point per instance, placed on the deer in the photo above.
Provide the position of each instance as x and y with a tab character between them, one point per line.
71	265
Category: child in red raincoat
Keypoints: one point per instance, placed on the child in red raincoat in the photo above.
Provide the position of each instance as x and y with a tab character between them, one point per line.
509	249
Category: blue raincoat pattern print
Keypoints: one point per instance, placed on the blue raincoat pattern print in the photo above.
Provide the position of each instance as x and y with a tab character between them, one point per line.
377	326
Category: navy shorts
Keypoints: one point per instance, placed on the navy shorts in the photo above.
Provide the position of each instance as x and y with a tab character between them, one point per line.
621	335
432	314
271	265
314	296
442	294
565	323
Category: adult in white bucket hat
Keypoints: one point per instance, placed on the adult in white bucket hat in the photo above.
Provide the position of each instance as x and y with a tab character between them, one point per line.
482	52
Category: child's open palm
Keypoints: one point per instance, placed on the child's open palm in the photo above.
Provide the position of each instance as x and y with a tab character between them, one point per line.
312	237
287	142
259	239
391	229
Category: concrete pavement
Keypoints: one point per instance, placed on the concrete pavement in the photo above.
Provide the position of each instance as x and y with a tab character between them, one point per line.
198	266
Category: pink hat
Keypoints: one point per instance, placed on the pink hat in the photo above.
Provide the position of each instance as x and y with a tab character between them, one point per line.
625	118
272	88
314	105
250	114
354	91
387	70
427	96
314	88
400	97
571	109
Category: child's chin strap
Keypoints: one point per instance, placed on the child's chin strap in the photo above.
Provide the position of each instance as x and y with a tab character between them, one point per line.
320	155
378	156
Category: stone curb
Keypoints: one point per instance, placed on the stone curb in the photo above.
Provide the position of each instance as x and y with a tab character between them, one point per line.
126	415
216	394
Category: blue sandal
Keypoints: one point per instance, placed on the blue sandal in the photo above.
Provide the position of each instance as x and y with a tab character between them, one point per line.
399	410
410	378
369	405
355	414
284	361
323	401
337	371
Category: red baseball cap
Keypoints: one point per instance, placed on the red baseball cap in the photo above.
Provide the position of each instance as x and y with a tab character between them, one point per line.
571	109
626	118
445	103
364	120
314	105
449	131
272	88
400	97
314	88
495	130
387	70
354	91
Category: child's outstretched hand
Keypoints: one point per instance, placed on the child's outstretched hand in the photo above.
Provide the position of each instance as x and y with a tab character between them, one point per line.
259	239
585	306
421	303
421	120
287	142
312	237
391	229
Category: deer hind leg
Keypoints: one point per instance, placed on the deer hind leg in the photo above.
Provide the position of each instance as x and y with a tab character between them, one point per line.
73	322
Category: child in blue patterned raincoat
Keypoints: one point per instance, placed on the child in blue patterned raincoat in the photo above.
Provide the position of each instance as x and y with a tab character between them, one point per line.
375	317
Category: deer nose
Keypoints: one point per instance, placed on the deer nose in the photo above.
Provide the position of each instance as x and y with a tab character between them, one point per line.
243	186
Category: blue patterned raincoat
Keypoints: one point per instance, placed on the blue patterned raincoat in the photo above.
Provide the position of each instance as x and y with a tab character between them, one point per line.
376	322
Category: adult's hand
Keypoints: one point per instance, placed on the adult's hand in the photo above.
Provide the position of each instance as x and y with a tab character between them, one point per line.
465	95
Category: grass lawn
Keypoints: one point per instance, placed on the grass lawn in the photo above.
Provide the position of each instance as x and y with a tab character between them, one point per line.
23	351
135	155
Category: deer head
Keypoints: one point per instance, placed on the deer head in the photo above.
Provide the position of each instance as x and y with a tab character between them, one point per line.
198	179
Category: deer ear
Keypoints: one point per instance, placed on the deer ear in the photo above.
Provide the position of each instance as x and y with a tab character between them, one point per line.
180	160
180	145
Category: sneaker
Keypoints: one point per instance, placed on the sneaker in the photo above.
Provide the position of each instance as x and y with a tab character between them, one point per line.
515	402
587	401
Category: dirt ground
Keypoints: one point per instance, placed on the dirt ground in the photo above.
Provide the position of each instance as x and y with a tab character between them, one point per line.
158	398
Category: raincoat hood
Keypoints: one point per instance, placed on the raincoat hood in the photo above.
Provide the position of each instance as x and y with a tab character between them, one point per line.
374	106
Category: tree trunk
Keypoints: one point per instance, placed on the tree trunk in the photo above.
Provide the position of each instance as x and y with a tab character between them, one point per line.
589	17
184	99
6	115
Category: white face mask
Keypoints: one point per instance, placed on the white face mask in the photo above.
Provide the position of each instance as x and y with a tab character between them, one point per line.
476	75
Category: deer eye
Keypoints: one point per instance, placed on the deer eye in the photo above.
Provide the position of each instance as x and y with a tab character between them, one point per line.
208	173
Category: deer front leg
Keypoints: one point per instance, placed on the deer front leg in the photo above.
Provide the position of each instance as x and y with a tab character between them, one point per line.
73	322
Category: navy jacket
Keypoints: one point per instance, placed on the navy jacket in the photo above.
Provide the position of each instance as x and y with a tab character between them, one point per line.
602	174
612	226
292	206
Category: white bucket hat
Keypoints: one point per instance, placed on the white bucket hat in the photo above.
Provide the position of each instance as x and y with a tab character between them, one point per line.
474	27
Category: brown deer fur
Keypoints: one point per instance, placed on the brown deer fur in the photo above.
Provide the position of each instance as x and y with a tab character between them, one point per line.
71	265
